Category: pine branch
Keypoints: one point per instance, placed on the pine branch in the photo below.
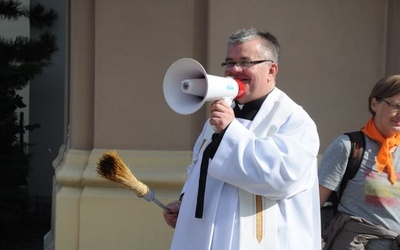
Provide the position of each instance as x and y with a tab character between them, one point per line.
40	18
12	10
17	76
24	49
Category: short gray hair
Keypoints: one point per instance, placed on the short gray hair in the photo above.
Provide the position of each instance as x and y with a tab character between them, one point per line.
270	43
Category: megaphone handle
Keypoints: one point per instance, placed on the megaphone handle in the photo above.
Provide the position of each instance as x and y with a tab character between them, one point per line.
229	101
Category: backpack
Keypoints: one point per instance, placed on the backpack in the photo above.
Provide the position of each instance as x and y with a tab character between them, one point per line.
329	210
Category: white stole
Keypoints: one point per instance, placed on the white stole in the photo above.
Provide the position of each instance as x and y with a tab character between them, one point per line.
277	113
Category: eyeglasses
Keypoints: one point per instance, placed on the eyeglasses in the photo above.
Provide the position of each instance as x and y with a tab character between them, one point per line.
242	64
393	106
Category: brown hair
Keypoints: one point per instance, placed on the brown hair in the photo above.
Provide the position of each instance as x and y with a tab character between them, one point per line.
385	87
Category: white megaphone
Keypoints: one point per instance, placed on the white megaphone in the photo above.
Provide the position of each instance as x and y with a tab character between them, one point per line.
187	86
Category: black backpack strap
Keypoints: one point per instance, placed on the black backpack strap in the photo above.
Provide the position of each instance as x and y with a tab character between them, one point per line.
356	155
357	140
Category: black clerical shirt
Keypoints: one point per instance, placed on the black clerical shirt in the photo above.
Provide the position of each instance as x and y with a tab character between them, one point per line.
247	111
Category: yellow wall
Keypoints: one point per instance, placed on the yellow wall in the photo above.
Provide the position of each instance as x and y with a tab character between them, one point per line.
95	213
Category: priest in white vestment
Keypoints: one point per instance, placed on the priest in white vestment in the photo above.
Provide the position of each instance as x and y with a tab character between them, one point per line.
252	183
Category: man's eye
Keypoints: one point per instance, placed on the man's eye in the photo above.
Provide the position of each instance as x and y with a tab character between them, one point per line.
244	63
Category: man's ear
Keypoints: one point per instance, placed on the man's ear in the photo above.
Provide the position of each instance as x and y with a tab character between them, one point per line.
273	70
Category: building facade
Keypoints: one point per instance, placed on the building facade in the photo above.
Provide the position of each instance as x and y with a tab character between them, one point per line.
116	54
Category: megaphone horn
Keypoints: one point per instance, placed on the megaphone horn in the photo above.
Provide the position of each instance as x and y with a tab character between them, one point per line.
187	86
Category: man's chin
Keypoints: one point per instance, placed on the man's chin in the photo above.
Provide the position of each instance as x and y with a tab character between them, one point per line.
241	100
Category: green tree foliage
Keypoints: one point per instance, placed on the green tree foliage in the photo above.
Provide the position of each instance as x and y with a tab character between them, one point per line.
21	59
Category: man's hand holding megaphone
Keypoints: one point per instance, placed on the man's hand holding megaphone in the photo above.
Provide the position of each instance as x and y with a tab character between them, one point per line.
221	115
